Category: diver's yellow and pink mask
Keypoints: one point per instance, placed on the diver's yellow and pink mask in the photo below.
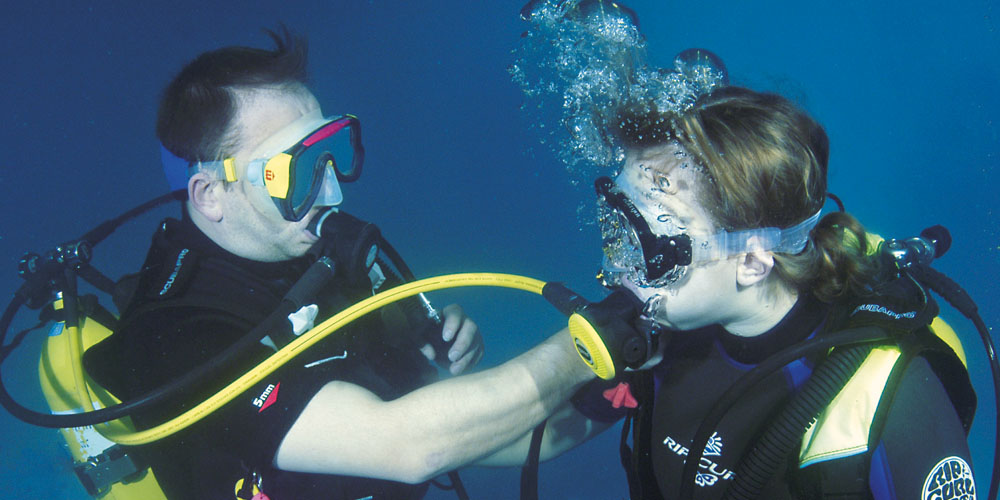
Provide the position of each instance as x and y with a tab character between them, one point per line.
301	166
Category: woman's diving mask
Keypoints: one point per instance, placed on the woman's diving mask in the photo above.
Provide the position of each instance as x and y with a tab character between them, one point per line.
634	252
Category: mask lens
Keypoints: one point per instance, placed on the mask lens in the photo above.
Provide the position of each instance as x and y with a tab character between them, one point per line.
624	238
349	152
319	161
308	176
342	139
622	249
330	141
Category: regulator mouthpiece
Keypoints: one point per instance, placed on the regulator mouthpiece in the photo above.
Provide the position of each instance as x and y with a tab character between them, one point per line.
351	242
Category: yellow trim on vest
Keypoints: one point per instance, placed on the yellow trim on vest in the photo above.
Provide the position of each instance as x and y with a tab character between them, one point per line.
842	429
948	335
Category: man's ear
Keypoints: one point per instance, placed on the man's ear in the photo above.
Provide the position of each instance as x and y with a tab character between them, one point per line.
204	196
754	267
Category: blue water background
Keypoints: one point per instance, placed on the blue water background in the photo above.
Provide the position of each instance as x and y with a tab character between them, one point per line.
907	92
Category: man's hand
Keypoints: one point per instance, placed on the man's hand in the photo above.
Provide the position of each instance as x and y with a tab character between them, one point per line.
467	349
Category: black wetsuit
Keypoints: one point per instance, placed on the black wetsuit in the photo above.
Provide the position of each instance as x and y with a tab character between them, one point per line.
921	426
193	300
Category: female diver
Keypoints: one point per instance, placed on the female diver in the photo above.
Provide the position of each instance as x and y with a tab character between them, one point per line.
714	226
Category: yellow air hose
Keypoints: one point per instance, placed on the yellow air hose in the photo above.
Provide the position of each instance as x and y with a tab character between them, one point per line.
121	433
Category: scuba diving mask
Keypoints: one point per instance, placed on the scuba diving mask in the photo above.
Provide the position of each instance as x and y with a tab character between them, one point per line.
630	246
301	165
633	251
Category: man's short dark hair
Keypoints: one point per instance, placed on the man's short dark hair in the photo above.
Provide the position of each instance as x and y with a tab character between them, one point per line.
198	106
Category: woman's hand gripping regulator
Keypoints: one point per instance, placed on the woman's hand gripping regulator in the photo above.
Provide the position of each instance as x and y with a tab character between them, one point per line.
607	334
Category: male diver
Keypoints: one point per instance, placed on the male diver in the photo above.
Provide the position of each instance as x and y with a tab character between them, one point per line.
356	416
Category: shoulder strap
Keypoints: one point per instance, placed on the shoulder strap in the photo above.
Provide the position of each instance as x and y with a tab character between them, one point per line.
636	459
951	370
193	291
834	464
856	402
947	366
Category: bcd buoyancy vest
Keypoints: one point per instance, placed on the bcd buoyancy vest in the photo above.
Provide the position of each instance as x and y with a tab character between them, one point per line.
901	320
182	275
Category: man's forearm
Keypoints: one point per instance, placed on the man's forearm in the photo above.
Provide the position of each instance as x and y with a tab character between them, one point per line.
481	413
346	429
565	429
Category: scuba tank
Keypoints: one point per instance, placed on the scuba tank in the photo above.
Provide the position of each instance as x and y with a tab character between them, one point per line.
105	469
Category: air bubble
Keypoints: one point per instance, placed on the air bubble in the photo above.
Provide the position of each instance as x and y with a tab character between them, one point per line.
580	62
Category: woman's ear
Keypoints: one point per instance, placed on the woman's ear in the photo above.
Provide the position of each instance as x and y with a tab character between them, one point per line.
204	196
754	267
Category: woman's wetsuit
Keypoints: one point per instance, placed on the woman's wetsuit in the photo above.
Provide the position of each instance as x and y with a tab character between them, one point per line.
921	428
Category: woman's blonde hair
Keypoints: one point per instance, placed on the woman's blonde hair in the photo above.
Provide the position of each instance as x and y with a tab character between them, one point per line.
766	161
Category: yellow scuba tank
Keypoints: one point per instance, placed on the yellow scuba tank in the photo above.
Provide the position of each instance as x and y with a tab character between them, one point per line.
105	469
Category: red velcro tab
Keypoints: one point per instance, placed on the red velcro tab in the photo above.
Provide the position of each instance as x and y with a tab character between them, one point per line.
621	395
